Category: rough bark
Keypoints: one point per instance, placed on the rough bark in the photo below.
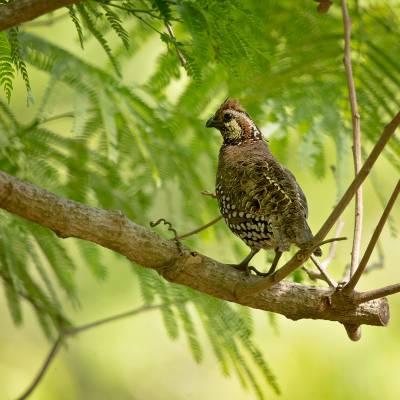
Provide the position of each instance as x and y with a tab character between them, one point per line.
111	229
20	11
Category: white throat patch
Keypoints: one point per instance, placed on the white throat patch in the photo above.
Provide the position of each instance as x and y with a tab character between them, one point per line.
233	130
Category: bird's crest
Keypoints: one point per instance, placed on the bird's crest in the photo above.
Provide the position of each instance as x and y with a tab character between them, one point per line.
230	104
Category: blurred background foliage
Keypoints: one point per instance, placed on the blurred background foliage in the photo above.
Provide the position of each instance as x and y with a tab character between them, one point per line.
120	125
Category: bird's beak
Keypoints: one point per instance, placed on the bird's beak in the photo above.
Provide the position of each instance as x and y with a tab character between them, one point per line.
211	123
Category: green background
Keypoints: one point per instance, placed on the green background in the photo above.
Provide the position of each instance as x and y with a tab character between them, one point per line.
134	358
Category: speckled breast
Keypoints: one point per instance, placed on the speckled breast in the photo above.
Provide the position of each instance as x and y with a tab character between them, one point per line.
252	228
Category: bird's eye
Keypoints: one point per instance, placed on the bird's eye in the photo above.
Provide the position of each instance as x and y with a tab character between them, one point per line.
227	117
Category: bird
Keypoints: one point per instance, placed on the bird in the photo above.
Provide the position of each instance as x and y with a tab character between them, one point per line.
259	199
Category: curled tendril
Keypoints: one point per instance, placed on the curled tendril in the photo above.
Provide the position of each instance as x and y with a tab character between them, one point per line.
170	229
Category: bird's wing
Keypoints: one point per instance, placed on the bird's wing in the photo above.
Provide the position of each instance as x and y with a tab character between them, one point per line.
301	195
256	184
270	189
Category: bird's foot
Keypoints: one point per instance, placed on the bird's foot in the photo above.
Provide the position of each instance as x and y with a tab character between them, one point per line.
244	264
258	273
248	269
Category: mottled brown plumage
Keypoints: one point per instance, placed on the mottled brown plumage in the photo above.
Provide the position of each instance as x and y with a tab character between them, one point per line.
260	200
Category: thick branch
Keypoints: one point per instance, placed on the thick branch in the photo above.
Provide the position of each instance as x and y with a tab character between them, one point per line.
142	246
355	116
302	255
19	11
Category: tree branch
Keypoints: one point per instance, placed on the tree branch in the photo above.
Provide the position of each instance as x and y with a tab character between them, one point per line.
358	213
111	229
17	12
201	228
371	245
323	272
50	21
302	255
322	265
377	293
50	357
75	331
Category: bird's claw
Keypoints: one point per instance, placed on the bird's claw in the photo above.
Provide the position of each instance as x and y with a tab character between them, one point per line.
258	273
247	269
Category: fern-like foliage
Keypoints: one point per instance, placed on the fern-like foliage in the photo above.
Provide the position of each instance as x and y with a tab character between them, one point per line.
18	60
133	147
75	19
6	66
12	61
116	24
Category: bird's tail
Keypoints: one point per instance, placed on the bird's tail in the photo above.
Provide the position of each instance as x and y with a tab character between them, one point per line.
306	238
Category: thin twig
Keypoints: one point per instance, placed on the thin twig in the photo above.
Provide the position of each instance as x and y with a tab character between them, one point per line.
316	275
131	10
53	352
136	12
181	57
331	240
358	214
322	265
387	133
371	245
323	272
332	249
210	194
75	331
69	114
201	228
313	275
300	257
377	293
379	264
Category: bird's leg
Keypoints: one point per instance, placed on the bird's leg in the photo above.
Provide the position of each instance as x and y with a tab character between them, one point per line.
244	265
272	267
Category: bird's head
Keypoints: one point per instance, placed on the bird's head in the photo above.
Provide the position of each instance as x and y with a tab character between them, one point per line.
234	123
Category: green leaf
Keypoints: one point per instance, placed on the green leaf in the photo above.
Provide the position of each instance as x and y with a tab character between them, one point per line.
6	65
116	24
75	20
19	62
91	26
